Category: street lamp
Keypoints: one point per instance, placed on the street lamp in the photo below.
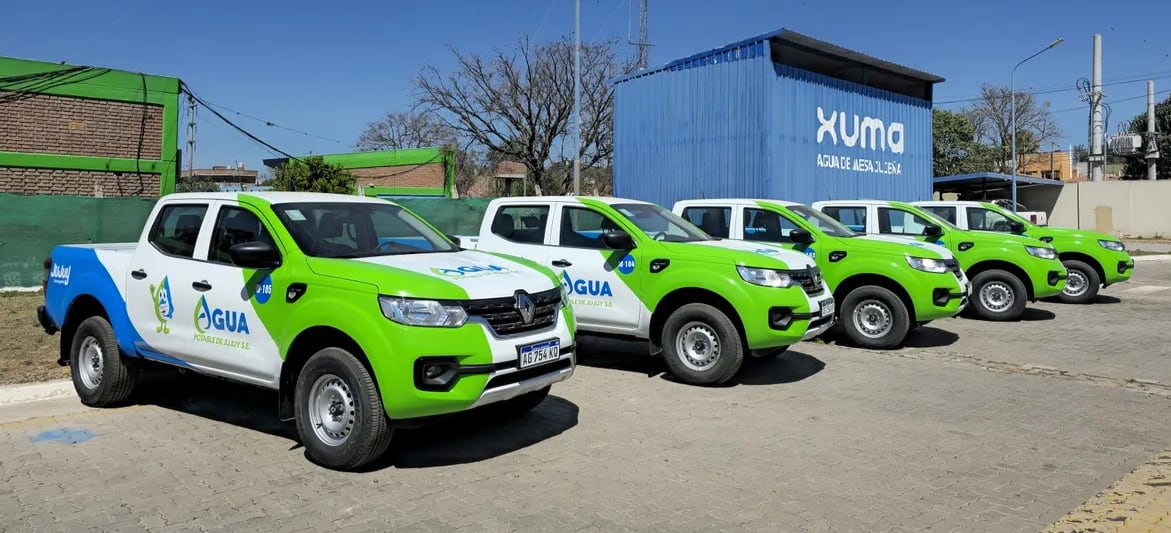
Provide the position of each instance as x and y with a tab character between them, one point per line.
1012	103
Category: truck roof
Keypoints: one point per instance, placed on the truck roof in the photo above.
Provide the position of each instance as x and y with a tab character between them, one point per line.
604	199
737	201
855	202
273	197
949	202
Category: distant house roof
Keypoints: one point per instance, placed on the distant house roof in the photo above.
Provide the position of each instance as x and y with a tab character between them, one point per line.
802	51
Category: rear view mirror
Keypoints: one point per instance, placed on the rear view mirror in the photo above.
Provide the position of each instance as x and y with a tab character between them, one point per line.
1016	227
618	240
255	254
800	236
932	230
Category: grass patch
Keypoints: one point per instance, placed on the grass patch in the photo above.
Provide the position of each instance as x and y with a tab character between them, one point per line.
27	353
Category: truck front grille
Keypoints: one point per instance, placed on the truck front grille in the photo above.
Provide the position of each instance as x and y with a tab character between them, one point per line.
504	318
954	266
810	280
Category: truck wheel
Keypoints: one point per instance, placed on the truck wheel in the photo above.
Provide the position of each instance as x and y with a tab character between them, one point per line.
999	296
1083	283
339	412
701	345
525	402
875	317
101	376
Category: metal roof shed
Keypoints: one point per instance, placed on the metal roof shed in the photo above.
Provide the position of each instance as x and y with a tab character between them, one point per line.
988	184
780	115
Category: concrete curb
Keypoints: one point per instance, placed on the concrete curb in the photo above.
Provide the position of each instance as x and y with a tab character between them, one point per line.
32	392
1151	258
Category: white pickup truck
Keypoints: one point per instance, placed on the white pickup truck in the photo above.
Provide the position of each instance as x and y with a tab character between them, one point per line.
359	314
634	269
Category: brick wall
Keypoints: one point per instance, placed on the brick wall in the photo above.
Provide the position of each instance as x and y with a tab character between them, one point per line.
78	126
74	182
429	175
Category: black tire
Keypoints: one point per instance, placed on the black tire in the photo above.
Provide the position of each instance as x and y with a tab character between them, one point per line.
874	317
1086	276
101	376
526	402
1000	284
721	335
361	430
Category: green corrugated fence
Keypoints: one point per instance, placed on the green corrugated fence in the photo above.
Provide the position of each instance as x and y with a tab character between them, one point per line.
31	225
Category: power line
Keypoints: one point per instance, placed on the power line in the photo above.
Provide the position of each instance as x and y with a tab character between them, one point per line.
613	12
1053	90
187	89
270	123
1083	108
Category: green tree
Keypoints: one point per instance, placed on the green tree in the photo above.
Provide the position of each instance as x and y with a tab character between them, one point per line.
184	184
312	174
955	148
1136	165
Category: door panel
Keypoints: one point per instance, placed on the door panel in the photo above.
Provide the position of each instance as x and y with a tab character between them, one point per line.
601	283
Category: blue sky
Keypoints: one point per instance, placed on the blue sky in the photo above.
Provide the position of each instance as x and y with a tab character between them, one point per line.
330	67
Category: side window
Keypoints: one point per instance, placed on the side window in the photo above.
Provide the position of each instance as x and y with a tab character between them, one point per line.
900	222
944	212
392	231
233	226
712	220
583	228
176	228
986	220
761	225
850	217
524	224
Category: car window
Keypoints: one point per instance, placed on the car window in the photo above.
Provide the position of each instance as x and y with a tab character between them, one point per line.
713	220
853	218
521	223
822	221
660	223
899	222
768	226
583	227
176	228
235	225
983	219
945	212
358	229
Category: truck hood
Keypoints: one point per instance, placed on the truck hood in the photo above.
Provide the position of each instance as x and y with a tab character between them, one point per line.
1068	234
901	245
741	253
454	275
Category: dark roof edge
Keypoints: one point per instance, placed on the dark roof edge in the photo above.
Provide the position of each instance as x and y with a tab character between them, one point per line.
789	36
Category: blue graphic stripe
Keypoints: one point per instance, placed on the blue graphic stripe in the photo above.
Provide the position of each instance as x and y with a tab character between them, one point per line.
88	276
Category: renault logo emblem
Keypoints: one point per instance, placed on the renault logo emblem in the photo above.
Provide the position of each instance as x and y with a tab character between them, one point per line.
525	306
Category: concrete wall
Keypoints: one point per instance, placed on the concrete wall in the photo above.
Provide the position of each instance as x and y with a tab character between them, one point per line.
1123	208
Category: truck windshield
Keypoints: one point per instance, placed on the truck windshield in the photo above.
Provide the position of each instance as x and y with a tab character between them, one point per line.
353	229
823	222
936	219
660	223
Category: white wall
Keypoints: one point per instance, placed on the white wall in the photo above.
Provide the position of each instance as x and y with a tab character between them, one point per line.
1123	208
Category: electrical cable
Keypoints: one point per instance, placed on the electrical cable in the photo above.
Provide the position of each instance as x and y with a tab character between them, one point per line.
1055	90
187	90
270	123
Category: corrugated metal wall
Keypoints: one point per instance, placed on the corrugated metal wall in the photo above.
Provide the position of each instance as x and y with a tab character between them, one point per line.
696	129
857	159
740	125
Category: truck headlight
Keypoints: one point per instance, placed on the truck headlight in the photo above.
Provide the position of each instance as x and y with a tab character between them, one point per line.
411	312
1117	246
1043	253
927	264
764	276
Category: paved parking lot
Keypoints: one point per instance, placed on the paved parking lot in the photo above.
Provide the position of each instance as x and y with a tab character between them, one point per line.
976	427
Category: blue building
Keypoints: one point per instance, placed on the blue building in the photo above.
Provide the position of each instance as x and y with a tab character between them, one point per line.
780	115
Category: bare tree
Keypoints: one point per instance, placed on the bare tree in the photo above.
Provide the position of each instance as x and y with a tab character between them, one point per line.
992	118
399	131
518	103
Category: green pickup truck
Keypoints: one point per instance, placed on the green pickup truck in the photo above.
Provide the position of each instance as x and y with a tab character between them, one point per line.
885	286
1094	260
1007	271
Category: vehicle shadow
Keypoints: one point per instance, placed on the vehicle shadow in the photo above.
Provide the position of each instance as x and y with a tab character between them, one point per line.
929	337
1033	314
476	435
635	357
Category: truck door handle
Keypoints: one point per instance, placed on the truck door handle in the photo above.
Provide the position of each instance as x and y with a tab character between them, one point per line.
138	274
561	263
201	286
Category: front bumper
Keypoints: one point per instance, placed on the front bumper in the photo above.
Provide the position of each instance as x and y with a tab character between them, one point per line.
1122	271
507	382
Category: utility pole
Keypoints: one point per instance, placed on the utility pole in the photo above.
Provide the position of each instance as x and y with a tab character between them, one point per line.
1152	144
1097	128
190	136
577	95
644	47
1012	112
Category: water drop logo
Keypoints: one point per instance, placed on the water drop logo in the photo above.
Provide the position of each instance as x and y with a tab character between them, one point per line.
264	290
164	308
626	265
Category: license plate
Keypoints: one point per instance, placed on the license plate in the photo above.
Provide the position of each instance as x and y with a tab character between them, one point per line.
539	353
827	308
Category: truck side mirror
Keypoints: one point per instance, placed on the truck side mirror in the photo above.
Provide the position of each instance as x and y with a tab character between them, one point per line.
801	236
255	254
1016	227
932	230
618	240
